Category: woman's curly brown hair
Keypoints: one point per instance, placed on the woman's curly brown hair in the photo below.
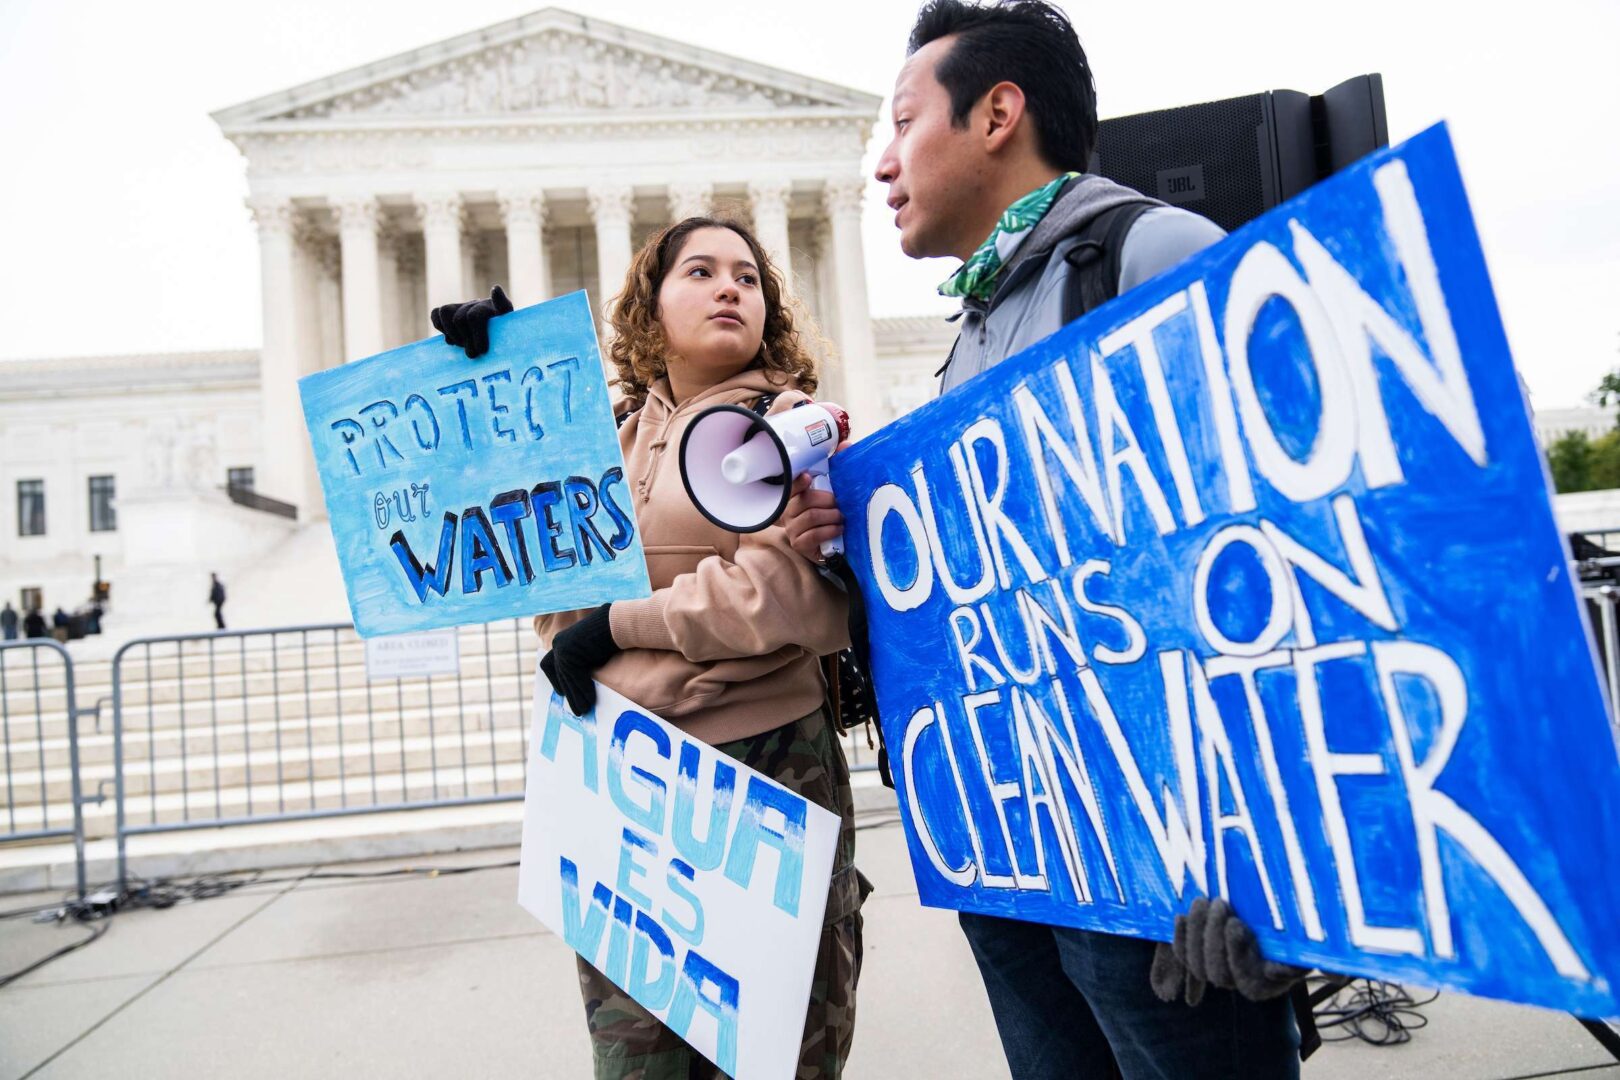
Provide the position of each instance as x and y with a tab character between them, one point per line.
638	349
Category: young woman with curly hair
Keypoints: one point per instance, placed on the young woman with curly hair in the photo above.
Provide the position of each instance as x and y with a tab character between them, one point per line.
728	647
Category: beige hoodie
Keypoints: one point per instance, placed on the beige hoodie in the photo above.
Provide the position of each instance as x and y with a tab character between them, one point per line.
728	645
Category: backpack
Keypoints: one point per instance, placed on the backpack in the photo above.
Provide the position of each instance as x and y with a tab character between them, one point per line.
1095	260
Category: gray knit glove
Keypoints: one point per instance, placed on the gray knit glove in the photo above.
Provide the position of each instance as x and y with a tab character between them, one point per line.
1213	946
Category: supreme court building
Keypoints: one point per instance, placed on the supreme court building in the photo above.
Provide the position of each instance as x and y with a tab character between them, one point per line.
537	153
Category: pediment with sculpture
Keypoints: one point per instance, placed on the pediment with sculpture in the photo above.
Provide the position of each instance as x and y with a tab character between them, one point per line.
558	71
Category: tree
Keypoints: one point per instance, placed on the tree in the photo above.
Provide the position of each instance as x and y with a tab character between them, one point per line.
1608	390
1605	473
1570	460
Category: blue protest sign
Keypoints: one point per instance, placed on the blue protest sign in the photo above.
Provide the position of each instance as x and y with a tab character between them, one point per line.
463	491
1248	584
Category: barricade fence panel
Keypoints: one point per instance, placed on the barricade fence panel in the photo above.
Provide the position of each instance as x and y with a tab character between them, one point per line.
1603	614
39	746
240	727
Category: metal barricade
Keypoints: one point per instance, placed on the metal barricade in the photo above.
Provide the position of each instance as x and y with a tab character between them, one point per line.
248	727
39	725
1603	605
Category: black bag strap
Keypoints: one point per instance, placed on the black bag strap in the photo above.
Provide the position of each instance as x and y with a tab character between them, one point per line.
1095	260
1310	1040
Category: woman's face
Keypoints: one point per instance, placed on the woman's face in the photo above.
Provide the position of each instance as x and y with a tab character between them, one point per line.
712	308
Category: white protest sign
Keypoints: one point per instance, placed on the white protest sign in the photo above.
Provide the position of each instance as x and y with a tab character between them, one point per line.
411	656
694	883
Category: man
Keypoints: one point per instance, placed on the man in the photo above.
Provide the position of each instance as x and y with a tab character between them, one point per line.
994	118
8	622
216	596
34	624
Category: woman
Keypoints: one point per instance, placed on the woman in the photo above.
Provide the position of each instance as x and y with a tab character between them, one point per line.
728	647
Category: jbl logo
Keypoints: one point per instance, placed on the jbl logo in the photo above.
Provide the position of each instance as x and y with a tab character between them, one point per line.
1182	185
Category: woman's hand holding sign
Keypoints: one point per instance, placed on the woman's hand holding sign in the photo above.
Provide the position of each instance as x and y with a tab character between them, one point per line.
576	653
811	519
466	326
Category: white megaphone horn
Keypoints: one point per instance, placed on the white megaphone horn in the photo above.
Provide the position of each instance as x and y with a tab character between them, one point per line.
739	466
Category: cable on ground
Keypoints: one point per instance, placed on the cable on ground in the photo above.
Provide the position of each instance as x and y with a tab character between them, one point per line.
1373	1010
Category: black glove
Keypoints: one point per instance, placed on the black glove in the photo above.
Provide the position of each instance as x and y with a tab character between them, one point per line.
575	655
1213	946
467	325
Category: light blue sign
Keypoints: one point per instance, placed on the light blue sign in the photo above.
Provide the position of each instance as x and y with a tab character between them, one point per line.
1248	584
463	491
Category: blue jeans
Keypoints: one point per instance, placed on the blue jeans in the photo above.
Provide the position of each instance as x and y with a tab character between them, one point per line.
1071	1003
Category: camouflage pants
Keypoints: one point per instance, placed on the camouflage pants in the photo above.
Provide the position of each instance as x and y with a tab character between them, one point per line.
629	1043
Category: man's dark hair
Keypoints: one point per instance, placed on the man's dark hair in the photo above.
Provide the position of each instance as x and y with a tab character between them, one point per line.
1027	42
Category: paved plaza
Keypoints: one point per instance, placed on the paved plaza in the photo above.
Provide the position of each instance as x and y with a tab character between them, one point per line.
446	976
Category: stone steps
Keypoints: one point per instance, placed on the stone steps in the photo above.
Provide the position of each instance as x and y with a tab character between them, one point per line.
299	759
259	732
164	681
449	781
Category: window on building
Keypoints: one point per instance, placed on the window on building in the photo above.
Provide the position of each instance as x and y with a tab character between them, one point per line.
30	508
240	478
103	513
33	599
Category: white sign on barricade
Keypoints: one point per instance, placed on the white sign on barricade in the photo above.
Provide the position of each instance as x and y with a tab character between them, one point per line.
693	882
411	656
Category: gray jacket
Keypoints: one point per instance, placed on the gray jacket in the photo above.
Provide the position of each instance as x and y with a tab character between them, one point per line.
1028	302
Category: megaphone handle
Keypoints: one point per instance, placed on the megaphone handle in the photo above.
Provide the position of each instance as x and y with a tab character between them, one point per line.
820	480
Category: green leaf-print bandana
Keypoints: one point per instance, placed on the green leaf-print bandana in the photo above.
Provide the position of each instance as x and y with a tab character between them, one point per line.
977	277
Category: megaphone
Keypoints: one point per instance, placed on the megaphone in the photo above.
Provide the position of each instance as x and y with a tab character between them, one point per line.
738	466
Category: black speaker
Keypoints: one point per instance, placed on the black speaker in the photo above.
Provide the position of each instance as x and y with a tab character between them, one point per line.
1233	160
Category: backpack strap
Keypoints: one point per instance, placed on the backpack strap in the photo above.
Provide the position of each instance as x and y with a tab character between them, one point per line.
1094	262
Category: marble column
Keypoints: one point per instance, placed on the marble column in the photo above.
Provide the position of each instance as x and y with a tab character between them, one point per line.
362	288
473	252
689	200
524	215
280	471
611	208
441	216
388	285
412	322
769	202
852	327
826	311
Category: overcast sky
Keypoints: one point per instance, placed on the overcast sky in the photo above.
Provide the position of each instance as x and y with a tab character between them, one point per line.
122	227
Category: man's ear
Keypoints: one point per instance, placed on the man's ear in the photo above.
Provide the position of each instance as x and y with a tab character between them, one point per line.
1002	114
